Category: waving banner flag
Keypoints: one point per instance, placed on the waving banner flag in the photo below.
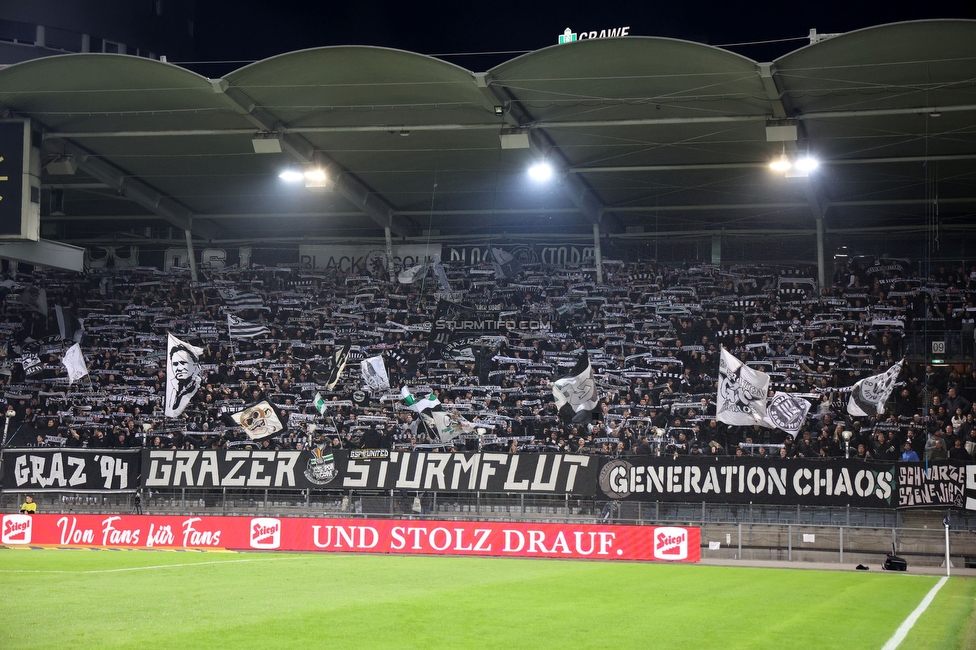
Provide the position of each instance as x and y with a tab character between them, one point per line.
70	328
450	425
411	275
240	300
74	363
35	299
260	420
238	328
319	403
870	394
504	264
742	392
183	375
374	373
786	412
333	367
576	394
418	405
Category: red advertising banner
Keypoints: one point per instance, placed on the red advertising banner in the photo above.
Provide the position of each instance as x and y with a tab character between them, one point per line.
398	536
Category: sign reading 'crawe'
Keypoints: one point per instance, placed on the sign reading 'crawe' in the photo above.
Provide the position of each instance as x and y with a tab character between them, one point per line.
412	537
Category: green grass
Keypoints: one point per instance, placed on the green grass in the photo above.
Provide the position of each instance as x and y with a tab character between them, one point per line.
147	599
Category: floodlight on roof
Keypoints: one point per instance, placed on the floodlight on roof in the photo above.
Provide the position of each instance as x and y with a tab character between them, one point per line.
291	175
781	164
540	172
806	163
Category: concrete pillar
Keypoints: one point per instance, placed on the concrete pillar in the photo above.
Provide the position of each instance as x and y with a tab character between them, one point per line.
190	255
598	254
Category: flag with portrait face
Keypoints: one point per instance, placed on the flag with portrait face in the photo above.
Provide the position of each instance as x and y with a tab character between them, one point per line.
183	375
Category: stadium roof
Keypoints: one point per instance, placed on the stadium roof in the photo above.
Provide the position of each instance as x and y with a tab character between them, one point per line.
657	133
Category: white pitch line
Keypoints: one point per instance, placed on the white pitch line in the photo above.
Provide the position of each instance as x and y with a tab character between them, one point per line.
909	622
141	568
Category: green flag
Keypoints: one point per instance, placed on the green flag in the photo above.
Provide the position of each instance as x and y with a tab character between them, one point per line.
319	403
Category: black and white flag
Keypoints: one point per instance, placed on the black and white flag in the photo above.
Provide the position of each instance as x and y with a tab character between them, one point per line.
240	300
238	328
183	375
869	395
786	412
333	367
70	328
742	392
374	373
35	299
504	264
260	421
576	394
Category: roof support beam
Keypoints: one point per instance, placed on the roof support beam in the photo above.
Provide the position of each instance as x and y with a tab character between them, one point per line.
138	191
346	183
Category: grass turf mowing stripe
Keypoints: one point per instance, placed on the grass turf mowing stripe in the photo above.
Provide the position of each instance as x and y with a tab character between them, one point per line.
431	602
145	568
909	622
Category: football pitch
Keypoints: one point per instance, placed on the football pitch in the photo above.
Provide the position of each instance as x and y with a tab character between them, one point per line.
165	599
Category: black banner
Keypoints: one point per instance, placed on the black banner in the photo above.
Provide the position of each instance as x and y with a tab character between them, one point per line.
731	480
932	485
230	469
75	470
470	472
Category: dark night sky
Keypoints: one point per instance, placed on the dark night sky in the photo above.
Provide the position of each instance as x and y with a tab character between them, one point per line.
247	30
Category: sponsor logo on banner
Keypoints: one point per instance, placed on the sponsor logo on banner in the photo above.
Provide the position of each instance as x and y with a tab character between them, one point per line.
671	543
16	529
265	533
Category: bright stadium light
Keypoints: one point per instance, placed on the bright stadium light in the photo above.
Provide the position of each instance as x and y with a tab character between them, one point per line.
781	164
315	175
540	172
291	175
807	163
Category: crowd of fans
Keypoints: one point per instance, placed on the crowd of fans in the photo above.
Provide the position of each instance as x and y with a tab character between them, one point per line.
652	333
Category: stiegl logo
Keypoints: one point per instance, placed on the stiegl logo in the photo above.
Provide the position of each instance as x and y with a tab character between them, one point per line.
265	533
16	529
671	543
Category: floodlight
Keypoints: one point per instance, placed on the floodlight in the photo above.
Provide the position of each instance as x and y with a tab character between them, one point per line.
540	172
315	175
291	175
781	164
807	163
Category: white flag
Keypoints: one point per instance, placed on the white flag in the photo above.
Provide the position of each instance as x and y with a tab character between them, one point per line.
578	390
870	394
411	275
742	392
450	425
74	363
183	375
374	373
